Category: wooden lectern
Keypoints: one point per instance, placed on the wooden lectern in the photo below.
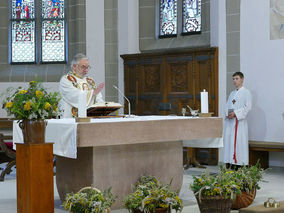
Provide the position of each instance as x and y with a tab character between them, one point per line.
35	178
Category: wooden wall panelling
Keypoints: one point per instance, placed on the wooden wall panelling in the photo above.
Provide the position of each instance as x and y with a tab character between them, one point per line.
215	66
175	90
163	83
206	75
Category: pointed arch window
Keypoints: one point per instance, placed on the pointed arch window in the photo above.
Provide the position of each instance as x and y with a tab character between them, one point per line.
38	31
23	31
53	31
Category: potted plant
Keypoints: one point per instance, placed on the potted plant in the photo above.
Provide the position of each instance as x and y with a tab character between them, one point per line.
248	177
31	106
215	193
89	200
150	195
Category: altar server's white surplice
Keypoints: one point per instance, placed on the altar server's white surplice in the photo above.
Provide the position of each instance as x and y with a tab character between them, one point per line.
236	129
71	86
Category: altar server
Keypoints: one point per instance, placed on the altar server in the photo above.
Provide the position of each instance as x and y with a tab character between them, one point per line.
72	84
236	127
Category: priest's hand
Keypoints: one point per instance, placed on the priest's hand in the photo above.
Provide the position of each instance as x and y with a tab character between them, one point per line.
231	115
99	88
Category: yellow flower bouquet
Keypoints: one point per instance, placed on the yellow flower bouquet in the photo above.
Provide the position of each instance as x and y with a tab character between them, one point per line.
33	103
150	195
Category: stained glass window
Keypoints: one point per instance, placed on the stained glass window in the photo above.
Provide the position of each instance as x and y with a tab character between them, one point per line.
53	31
53	42
191	16
168	17
23	9
23	41
23	31
50	32
53	9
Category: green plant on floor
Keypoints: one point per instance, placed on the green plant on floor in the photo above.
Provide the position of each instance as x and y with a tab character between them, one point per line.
248	177
149	194
89	200
227	182
222	185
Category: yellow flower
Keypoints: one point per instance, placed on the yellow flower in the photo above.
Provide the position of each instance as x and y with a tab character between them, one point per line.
162	205
148	200
32	82
178	199
39	93
9	104
23	91
47	105
199	179
27	106
54	108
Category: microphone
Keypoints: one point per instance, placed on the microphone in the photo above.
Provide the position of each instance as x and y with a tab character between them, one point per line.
129	113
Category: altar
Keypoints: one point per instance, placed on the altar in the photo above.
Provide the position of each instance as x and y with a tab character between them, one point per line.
116	152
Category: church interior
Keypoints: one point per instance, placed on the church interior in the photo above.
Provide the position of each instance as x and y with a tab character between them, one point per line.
157	60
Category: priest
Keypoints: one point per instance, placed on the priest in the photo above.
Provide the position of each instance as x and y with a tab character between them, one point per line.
236	127
76	81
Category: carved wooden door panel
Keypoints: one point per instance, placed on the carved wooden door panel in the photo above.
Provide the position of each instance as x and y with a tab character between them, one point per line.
131	73
179	83
150	86
203	80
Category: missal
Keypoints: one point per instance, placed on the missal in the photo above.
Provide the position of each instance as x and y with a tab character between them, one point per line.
102	109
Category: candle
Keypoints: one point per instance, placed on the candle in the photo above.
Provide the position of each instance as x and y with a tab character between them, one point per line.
204	101
82	104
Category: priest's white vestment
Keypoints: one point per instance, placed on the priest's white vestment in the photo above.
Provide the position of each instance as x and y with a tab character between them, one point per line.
71	85
236	129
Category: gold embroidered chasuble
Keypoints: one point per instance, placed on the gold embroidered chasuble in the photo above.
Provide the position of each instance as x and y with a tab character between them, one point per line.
71	85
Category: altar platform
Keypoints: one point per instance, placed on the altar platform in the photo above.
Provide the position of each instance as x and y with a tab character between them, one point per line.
115	152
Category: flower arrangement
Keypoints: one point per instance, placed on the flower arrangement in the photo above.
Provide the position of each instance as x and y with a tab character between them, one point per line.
223	185
227	182
149	194
89	200
33	103
247	177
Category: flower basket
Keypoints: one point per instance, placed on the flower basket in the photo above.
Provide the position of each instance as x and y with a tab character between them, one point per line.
216	204
151	196
89	190
158	210
244	200
89	199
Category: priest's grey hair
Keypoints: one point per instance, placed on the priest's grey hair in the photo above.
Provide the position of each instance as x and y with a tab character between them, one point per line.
77	58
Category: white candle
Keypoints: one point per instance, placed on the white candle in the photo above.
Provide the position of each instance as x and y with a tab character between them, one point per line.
82	104
204	101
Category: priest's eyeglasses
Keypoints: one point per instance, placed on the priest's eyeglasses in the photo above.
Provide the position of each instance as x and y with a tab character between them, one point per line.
83	67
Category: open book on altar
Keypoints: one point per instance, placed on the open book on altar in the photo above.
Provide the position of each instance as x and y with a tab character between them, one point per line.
103	109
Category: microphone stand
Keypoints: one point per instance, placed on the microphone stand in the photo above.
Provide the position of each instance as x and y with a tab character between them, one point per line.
129	113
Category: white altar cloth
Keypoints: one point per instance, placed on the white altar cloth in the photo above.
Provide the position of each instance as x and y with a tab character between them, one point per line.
63	133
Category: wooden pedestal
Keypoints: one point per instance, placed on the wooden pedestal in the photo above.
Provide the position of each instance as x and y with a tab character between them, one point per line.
35	178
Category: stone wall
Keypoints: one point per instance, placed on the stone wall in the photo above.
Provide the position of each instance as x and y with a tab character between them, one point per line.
111	50
149	28
233	41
